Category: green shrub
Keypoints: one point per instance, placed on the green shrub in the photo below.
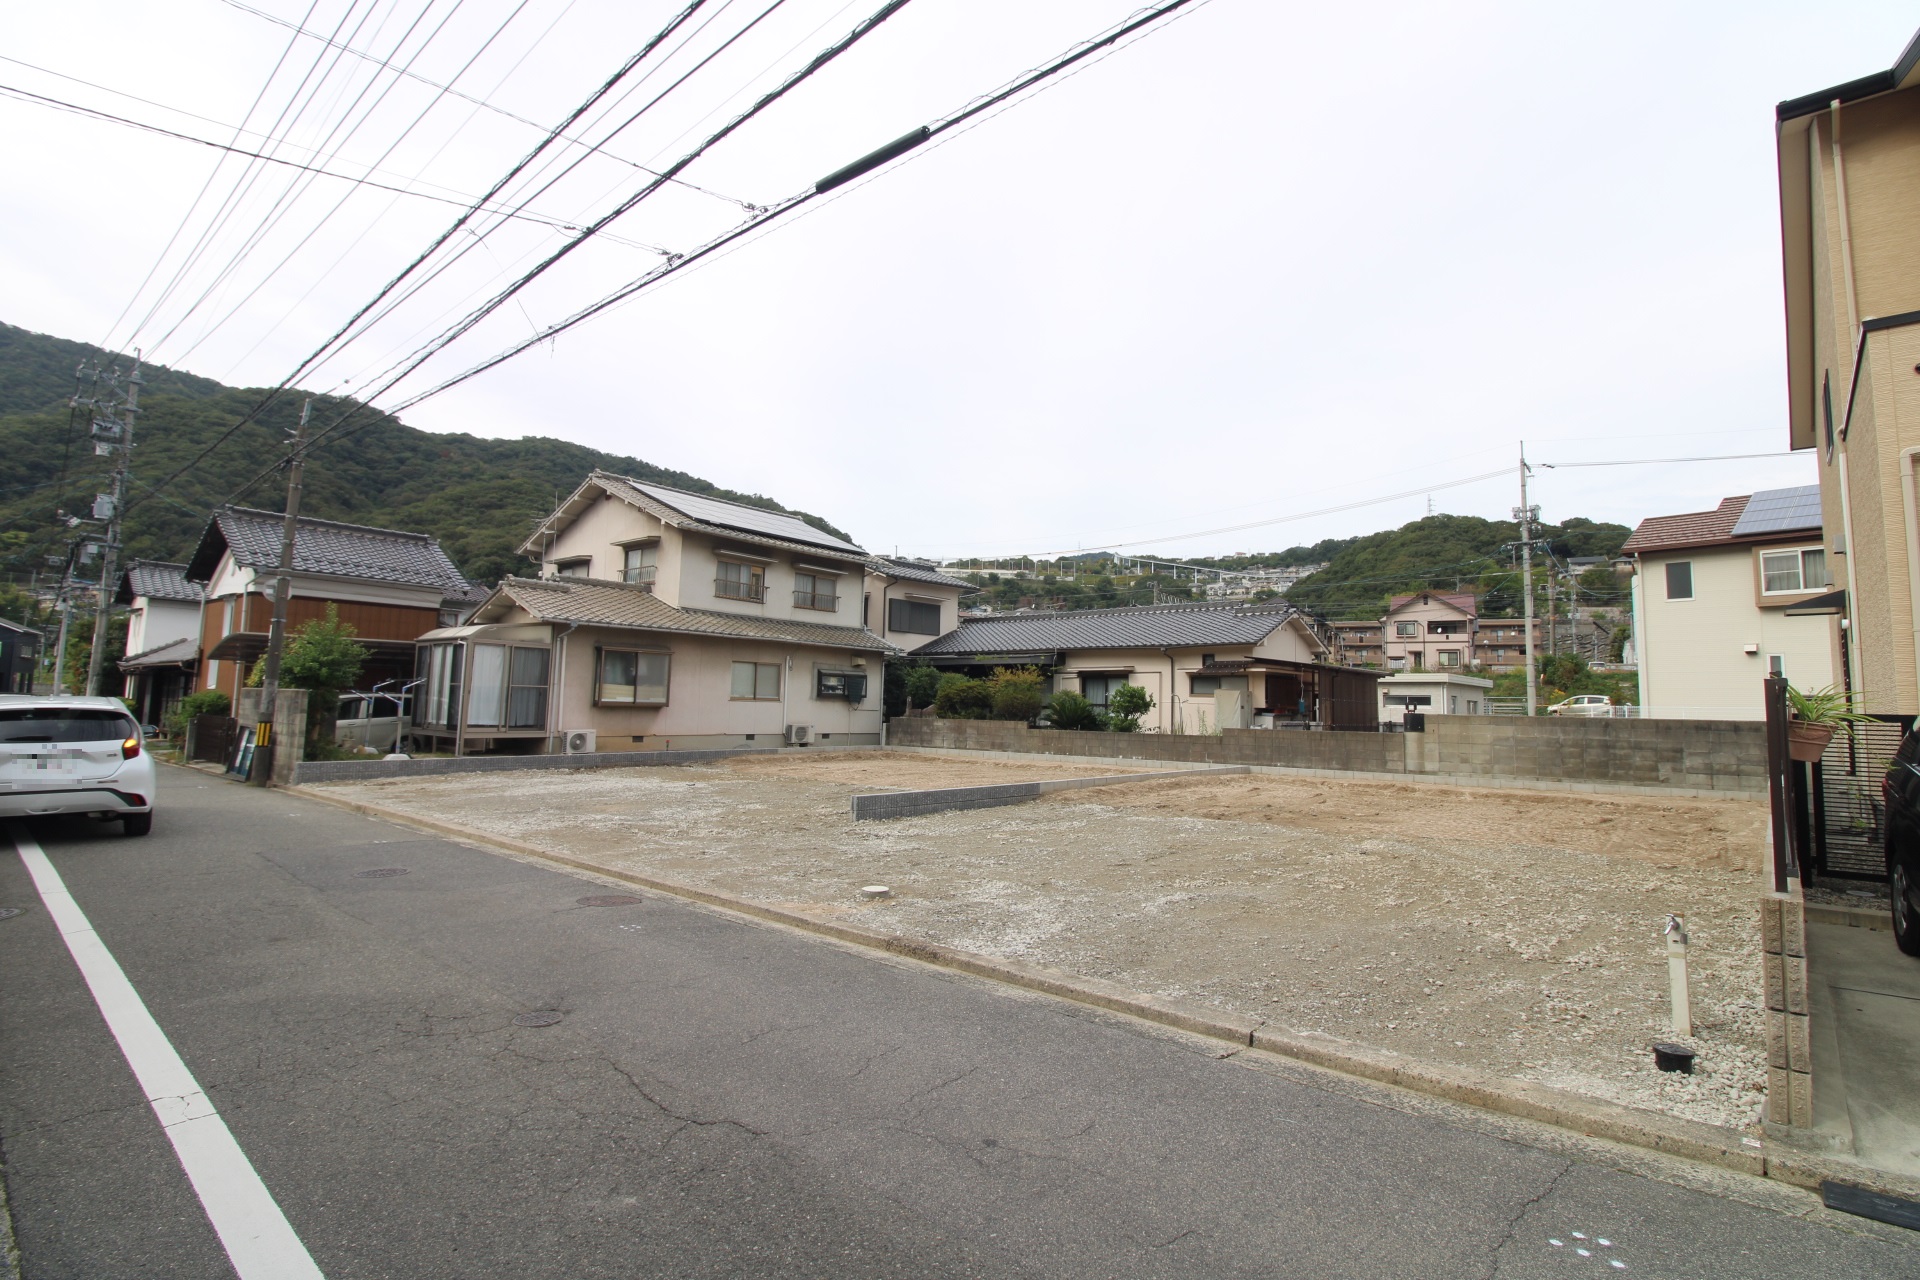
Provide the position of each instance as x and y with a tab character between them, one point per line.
961	698
922	685
1018	693
1125	707
1068	710
209	702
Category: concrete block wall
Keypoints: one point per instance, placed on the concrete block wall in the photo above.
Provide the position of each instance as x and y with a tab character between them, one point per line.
1783	943
1697	755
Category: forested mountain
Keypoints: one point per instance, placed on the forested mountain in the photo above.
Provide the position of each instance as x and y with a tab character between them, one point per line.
479	497
1446	553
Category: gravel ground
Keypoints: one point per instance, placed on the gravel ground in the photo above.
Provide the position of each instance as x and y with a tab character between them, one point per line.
1512	931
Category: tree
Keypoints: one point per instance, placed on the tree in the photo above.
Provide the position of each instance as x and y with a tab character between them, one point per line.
1125	706
1018	693
323	658
963	698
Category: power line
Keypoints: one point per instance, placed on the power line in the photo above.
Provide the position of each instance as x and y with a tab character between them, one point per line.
544	220
274	393
450	91
1638	462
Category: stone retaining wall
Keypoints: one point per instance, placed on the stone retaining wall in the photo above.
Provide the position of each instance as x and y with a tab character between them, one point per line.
1694	755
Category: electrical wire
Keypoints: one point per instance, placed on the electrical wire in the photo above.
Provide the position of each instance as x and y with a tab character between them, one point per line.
205	187
1640	462
556	224
243	183
298	188
274	393
480	102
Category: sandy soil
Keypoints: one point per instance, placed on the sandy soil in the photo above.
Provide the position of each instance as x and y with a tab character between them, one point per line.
1517	932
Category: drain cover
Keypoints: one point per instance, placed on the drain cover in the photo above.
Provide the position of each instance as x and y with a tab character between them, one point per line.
538	1018
610	900
380	873
8	913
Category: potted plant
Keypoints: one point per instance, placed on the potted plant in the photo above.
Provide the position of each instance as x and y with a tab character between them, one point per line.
1815	717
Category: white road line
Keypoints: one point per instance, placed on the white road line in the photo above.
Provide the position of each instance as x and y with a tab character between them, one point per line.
259	1241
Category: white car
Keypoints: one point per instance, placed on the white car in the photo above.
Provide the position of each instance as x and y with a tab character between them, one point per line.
75	755
1585	704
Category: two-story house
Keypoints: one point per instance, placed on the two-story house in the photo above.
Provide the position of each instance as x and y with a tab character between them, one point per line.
1850	245
1430	631
663	619
163	636
390	585
1724	598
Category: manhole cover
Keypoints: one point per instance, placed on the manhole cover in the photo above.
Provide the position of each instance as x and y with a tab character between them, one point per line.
8	913
538	1018
610	900
380	873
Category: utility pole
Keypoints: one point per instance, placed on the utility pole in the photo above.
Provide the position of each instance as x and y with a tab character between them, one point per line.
283	584
1526	515
115	503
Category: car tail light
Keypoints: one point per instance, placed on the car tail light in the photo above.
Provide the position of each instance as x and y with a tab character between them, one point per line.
130	748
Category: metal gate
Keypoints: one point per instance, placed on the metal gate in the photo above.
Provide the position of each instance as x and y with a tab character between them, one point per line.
213	738
1849	817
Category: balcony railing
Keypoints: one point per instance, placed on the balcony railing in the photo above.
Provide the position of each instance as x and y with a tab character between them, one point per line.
816	600
642	578
733	589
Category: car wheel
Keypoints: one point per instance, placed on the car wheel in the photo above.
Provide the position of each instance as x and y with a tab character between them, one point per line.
1906	929
136	824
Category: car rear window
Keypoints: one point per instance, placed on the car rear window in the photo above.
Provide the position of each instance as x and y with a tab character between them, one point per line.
64	724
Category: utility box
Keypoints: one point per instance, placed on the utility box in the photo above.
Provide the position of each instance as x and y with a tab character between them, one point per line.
1232	709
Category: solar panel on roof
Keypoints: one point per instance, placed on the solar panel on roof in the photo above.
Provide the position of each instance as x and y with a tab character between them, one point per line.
1780	510
748	519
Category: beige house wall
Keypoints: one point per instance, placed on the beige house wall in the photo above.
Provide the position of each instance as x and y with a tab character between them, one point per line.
1167	674
700	708
1880	164
152	623
1693	659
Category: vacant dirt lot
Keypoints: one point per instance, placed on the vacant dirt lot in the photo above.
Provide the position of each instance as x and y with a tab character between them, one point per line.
1517	932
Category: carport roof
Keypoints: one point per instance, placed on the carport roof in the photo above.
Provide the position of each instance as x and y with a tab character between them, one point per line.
595	602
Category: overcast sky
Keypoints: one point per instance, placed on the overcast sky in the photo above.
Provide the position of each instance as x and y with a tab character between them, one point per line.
1268	260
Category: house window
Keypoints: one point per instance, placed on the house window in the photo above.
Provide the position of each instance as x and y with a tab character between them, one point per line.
1776	665
581	568
1097	689
527	688
1449	657
1680	580
756	681
1405	629
913	617
737	581
815	591
1791	572
851	685
642	566
1204	686
631	677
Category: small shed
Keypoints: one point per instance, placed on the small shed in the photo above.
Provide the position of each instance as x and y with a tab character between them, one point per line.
19	656
1436	693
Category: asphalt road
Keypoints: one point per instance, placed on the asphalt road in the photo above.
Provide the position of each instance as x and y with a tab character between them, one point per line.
721	1098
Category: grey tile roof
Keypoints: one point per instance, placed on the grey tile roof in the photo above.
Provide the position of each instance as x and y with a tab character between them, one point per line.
734	515
594	602
1151	627
1780	511
157	580
325	547
172	653
915	571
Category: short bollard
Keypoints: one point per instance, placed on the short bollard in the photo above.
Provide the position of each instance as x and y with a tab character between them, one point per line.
1677	976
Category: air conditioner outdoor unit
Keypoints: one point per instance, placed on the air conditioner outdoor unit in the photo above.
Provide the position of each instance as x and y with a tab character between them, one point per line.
580	741
799	735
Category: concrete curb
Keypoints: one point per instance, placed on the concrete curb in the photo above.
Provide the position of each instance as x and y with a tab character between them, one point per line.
911	804
1850	917
374	770
1709	1144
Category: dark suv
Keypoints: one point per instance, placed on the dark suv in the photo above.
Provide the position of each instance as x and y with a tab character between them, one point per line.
1901	787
